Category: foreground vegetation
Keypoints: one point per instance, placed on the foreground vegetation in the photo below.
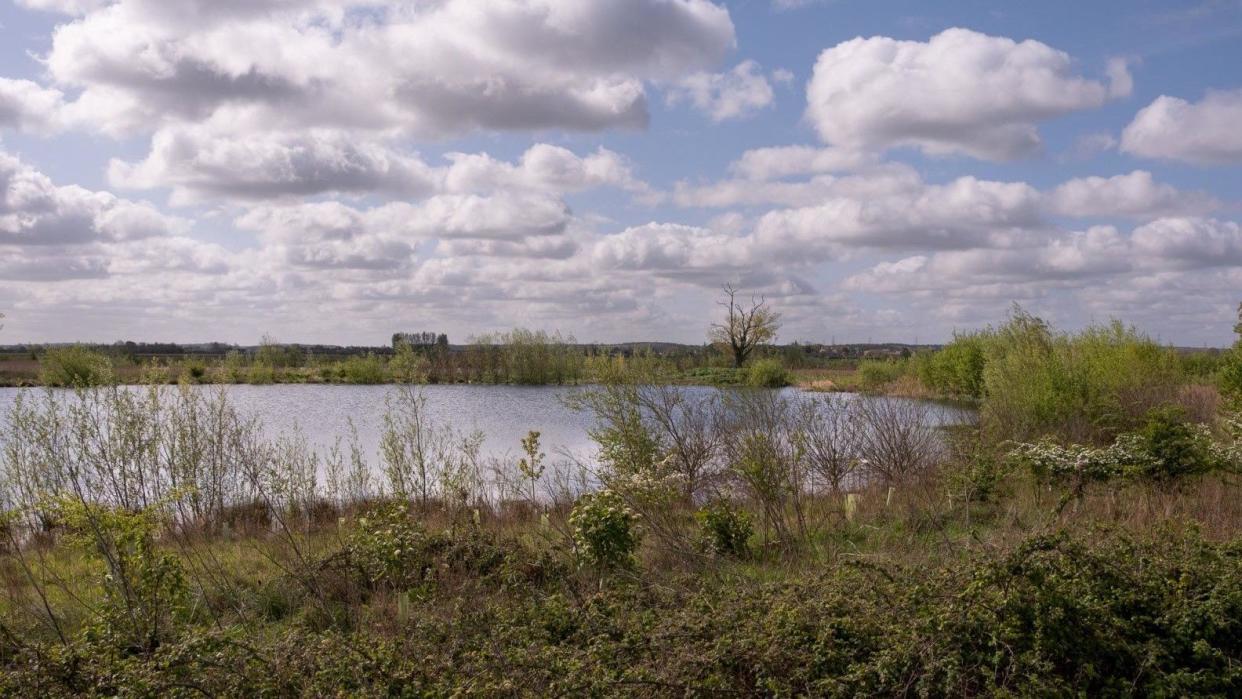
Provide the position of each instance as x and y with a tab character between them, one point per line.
1080	537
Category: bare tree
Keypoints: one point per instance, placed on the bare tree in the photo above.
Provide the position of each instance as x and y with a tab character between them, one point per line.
684	422
745	327
897	439
827	434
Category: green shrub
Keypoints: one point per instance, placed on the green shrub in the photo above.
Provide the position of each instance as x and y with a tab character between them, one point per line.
75	366
193	370
1231	366
627	445
876	374
407	365
261	374
1167	448
957	369
531	467
534	358
367	369
605	530
977	472
1231	375
234	367
726	530
1087	386
1174	446
1060	616
767	373
388	548
156	373
280	356
145	594
1204	365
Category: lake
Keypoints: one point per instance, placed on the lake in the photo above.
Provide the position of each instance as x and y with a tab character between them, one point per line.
504	414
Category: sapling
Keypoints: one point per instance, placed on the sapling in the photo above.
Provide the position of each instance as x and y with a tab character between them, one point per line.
532	466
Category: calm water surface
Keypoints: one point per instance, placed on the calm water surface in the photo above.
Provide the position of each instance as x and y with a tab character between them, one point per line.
504	414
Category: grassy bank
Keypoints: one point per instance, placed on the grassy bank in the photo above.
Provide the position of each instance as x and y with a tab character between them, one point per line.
1085	540
518	358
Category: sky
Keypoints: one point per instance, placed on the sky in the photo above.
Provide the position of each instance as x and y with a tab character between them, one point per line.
334	171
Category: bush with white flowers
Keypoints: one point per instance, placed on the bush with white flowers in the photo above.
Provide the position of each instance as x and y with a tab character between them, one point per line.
605	530
1168	447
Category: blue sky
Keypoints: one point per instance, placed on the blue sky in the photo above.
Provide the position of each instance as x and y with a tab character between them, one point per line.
337	170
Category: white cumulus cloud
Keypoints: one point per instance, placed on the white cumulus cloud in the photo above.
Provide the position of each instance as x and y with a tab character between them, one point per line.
34	211
201	165
1191	241
28	106
1134	195
1204	132
428	68
958	92
732	95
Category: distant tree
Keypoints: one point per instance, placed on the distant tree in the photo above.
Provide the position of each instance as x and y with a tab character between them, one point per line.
272	353
269	353
745	327
407	365
419	339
